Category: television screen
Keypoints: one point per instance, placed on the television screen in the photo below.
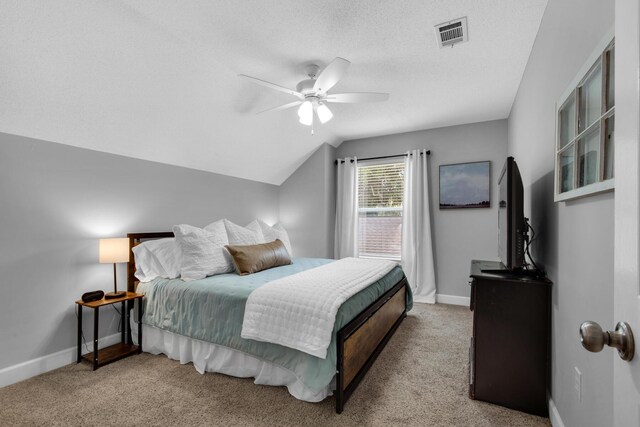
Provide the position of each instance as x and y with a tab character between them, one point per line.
502	221
511	222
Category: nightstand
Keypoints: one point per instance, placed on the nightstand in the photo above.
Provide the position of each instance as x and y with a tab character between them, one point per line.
118	351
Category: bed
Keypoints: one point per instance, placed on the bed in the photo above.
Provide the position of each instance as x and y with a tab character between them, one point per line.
200	322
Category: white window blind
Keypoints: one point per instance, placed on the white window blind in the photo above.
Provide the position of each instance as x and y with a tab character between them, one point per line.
380	191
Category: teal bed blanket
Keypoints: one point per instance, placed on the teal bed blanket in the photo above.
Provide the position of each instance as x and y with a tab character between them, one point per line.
212	310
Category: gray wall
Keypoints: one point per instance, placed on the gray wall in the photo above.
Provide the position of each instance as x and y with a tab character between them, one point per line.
307	205
576	237
460	235
56	201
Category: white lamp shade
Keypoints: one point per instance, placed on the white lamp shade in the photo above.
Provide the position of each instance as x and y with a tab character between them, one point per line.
114	250
324	114
305	112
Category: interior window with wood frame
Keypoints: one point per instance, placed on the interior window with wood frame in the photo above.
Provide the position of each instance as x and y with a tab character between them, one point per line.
585	130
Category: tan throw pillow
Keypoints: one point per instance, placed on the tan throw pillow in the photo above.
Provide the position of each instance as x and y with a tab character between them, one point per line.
249	259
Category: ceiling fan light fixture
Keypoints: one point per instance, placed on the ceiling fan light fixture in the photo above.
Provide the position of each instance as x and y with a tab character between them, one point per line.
313	93
305	112
324	113
307	121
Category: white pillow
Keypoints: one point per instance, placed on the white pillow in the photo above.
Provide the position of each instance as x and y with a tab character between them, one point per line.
276	232
249	235
203	252
157	258
216	227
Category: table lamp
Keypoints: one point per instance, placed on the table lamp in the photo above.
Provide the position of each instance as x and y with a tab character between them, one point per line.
114	251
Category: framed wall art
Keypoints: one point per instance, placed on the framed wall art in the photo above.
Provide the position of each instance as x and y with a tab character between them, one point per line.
465	185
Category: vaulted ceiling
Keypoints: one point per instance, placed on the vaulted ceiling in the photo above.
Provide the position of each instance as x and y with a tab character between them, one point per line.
157	79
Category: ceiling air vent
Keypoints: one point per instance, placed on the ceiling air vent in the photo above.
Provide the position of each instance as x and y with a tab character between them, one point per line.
452	32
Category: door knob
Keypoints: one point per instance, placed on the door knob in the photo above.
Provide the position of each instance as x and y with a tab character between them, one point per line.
593	338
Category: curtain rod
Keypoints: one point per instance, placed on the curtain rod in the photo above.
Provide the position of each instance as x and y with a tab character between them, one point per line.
381	157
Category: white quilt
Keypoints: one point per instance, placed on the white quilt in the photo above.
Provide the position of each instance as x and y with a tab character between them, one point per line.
299	311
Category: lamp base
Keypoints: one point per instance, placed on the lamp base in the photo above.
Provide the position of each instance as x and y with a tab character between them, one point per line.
113	295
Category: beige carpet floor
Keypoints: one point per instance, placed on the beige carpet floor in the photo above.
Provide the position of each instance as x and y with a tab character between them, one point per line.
420	379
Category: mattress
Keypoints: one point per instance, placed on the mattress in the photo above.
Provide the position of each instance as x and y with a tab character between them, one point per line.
211	310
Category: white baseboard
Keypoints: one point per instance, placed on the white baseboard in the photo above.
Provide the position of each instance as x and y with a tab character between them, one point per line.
40	365
554	415
453	300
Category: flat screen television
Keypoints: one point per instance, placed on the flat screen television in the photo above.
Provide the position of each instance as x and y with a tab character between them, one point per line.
512	226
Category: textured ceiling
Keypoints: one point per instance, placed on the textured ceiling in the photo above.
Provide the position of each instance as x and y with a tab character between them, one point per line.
157	80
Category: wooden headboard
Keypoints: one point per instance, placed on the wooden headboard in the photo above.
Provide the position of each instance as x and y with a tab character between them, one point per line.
134	240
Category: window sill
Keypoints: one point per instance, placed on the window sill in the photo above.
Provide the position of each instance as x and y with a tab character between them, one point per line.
598	187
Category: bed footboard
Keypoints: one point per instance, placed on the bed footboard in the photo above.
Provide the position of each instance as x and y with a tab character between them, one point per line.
362	340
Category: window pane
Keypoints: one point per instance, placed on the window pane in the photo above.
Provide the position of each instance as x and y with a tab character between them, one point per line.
568	120
588	148
609	128
380	192
380	186
380	234
590	99
611	77
566	169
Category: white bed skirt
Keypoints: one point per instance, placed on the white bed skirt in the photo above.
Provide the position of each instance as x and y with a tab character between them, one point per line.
209	357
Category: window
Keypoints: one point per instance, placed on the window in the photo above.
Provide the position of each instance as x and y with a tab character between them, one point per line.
380	191
585	129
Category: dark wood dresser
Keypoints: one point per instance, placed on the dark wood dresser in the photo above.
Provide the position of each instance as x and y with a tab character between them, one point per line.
510	347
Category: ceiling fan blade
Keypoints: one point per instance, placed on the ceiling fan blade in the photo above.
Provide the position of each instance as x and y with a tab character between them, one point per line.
281	107
272	85
331	75
354	97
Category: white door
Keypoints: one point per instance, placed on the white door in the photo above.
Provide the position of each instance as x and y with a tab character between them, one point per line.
626	378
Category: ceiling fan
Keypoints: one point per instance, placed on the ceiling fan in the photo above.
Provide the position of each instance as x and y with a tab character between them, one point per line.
312	93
